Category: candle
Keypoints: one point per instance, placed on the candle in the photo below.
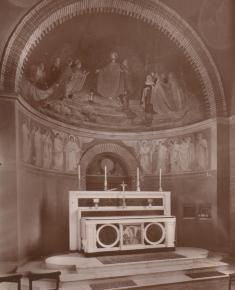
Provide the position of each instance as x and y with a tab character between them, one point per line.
105	178
160	180
138	179
79	177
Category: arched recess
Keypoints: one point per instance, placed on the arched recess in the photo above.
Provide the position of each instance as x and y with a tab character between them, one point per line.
48	14
124	155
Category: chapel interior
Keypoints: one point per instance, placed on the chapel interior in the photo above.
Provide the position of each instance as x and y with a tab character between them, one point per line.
133	96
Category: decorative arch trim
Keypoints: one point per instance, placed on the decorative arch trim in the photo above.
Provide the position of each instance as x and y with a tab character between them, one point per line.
48	14
125	155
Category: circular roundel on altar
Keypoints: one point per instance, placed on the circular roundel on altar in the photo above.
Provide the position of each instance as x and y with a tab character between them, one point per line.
107	236
154	233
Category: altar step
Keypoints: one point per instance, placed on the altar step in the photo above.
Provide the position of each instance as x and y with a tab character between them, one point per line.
100	268
83	273
178	280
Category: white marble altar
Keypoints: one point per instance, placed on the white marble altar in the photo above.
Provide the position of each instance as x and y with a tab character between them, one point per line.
122	220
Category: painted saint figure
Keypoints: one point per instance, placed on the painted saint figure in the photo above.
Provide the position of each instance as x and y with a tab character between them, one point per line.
202	155
55	70
184	157
72	153
145	155
110	84
147	94
47	147
77	79
58	152
132	235
37	146
177	94
175	156
162	157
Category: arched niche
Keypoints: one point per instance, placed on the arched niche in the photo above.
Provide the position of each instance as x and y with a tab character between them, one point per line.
117	172
45	16
121	153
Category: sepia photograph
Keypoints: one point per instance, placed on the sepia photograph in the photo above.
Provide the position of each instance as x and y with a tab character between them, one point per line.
117	144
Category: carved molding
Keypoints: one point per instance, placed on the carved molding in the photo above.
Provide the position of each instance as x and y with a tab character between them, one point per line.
50	13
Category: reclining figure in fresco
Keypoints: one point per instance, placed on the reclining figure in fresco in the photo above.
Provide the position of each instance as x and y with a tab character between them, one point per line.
58	84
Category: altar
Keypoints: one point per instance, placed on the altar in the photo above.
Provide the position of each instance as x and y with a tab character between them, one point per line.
109	221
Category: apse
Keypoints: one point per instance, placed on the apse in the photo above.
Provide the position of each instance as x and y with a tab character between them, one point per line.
124	85
71	77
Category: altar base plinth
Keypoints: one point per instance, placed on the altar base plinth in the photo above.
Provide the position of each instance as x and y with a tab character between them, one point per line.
190	267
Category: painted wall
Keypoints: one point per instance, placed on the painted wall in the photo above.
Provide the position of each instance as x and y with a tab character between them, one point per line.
8	188
43	212
197	13
43	192
37	208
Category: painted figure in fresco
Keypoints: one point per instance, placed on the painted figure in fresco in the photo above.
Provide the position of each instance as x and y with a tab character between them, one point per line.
77	79
47	147
177	94
37	146
27	141
58	146
58	106
109	83
72	153
127	81
184	154
146	98
191	152
162	157
175	156
55	71
31	92
202	154
131	235
161	98
145	155
41	76
63	80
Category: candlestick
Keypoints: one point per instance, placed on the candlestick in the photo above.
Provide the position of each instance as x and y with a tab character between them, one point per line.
105	179
138	179
160	180
79	177
123	185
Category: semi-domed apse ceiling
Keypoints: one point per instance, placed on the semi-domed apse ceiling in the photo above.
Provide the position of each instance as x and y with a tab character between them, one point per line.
112	72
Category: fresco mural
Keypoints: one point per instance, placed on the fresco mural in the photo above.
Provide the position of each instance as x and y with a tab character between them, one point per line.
117	74
48	148
53	149
174	155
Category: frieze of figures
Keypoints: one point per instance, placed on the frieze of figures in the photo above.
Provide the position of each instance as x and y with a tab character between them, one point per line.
52	149
173	155
48	148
